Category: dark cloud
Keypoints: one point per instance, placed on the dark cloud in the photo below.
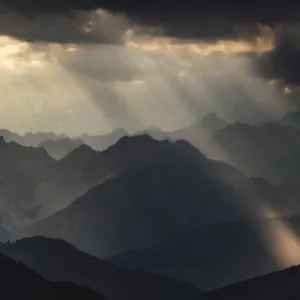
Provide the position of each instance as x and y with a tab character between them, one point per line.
240	10
215	19
284	61
61	22
71	27
166	11
206	28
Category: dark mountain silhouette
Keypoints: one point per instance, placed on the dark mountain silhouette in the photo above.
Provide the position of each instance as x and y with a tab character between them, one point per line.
16	158
280	285
159	190
269	150
57	260
19	282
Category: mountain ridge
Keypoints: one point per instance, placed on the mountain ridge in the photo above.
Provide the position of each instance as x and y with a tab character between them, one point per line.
58	260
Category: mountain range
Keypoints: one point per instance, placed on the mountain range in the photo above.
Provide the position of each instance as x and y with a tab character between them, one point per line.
54	185
171	212
17	280
157	189
58	146
155	203
57	260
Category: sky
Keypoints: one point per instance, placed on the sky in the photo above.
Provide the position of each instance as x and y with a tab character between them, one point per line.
89	69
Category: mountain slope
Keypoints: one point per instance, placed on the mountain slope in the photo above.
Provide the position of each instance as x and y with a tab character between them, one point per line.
278	286
16	158
57	260
19	282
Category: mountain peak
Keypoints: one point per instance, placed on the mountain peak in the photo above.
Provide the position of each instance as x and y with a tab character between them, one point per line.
81	151
141	139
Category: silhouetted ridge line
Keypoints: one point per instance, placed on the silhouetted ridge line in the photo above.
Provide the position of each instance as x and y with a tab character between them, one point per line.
152	183
280	285
57	260
17	281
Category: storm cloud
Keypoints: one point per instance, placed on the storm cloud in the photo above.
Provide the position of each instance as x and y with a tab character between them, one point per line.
91	71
